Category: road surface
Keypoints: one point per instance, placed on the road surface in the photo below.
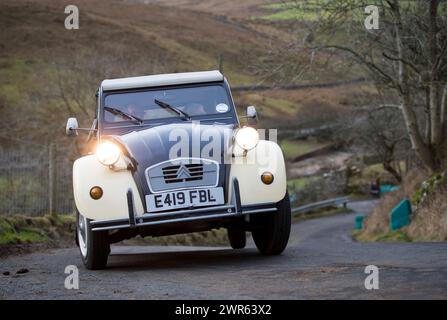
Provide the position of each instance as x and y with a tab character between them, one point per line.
321	262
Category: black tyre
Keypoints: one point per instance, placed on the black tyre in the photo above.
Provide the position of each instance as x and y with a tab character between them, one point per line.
237	237
272	230
93	246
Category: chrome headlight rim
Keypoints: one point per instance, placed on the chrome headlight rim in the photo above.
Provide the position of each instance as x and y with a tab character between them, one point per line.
247	138
108	153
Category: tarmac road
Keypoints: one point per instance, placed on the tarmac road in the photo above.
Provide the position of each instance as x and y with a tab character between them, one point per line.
321	262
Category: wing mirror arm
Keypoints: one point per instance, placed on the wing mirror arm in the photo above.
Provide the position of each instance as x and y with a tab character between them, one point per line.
72	127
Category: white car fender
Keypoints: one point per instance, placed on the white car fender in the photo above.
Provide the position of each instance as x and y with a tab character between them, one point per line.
267	156
88	172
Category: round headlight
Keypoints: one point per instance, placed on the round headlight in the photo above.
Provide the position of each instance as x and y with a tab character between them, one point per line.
108	153
247	138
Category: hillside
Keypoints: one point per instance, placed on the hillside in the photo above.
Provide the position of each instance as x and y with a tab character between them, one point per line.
48	73
227	8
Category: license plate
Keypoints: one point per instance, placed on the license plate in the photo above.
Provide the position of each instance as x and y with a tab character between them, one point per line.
184	199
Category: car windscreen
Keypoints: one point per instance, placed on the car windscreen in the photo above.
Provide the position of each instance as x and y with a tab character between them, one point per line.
195	101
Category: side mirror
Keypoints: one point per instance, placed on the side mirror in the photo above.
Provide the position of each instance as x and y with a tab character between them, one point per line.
72	126
252	115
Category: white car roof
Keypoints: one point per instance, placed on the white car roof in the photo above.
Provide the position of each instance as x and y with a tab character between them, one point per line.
162	80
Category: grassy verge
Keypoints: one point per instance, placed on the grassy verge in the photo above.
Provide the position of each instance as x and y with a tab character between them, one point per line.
22	234
30	230
391	236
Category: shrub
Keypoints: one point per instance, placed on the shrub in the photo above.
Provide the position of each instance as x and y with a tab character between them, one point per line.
376	225
429	221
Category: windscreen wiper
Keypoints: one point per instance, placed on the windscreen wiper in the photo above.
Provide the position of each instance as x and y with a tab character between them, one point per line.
123	114
179	112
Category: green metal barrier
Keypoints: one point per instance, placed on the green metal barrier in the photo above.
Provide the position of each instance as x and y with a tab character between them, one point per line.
400	215
359	222
388	188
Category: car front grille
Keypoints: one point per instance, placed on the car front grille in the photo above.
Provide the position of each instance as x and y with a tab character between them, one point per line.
188	172
182	174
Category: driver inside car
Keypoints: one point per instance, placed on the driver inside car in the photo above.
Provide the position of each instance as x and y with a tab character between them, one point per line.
194	109
134	110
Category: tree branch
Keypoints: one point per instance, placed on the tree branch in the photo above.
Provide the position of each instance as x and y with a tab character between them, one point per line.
411	65
373	67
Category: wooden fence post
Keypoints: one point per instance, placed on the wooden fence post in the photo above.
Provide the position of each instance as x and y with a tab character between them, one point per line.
220	62
52	179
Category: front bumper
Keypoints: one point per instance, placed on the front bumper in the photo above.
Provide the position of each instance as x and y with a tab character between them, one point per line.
235	209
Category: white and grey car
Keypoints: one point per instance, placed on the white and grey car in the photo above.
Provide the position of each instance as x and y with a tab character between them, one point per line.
172	157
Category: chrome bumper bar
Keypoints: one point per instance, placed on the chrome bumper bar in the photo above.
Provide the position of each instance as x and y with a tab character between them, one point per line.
235	209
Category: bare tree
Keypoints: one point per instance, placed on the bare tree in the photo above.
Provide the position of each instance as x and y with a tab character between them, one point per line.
381	133
77	77
407	56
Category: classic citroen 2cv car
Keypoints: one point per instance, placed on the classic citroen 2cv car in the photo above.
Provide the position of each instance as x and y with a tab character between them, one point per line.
172	157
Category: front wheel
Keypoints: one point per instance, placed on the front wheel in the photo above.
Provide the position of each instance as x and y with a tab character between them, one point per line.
93	246
272	230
